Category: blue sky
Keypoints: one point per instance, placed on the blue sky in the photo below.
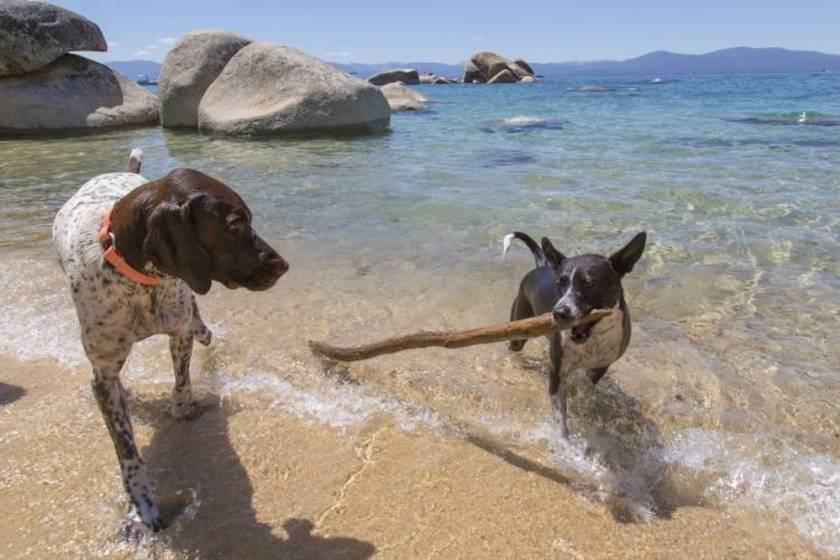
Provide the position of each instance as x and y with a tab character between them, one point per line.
540	31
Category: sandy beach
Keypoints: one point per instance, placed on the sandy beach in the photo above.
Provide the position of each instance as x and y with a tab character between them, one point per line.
240	482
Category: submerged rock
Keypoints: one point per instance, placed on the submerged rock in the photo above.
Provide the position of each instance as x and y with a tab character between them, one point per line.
405	75
592	88
188	70
401	98
268	89
33	34
73	93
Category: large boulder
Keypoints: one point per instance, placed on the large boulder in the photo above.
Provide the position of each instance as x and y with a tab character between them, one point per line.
472	74
519	70
268	89
523	65
188	70
73	93
401	98
504	77
33	34
407	76
489	63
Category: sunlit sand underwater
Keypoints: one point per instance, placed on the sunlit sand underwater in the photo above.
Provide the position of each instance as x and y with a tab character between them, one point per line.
716	435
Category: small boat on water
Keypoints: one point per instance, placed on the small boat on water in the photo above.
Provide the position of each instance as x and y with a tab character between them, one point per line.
145	80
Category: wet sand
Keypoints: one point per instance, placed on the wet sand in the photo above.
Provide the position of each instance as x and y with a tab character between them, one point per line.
244	482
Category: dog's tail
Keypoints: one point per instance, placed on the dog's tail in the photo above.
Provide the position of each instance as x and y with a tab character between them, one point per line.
536	250
134	160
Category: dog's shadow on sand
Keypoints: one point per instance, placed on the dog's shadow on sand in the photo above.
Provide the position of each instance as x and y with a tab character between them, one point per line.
10	393
637	481
205	494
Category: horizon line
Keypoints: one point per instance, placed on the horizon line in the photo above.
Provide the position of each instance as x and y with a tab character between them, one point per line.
579	61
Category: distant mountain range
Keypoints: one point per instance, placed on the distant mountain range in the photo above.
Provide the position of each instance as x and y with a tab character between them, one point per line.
132	68
727	61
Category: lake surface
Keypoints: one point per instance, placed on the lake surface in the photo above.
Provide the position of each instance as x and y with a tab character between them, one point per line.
729	392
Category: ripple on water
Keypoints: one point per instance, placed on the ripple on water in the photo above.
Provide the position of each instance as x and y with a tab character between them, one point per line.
789	480
804	118
525	123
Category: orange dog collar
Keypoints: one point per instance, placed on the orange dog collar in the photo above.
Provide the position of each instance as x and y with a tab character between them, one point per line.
115	259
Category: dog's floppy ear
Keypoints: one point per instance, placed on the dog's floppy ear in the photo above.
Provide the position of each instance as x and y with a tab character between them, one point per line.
172	244
623	260
552	255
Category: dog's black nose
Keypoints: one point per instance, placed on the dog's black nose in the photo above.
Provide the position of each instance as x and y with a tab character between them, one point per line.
562	314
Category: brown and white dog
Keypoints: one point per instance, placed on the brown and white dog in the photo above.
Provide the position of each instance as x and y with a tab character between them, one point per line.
134	252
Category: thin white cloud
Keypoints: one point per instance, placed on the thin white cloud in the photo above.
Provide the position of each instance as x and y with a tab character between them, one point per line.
339	54
150	47
141	53
112	44
167	40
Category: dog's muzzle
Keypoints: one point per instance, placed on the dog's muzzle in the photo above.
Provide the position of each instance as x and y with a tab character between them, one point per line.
582	333
267	275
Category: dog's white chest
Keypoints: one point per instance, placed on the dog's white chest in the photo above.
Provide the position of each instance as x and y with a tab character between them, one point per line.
601	349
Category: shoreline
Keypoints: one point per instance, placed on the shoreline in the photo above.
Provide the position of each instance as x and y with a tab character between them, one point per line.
263	483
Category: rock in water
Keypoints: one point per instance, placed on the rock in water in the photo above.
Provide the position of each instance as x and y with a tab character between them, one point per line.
268	89
472	74
519	70
404	75
528	80
489	63
73	93
523	65
33	34
504	77
188	70
402	98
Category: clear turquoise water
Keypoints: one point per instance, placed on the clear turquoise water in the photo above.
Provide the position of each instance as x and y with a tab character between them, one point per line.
735	178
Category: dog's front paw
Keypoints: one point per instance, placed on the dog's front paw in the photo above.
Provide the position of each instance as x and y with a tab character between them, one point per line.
145	511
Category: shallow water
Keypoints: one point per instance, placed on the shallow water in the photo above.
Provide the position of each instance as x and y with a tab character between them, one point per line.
729	391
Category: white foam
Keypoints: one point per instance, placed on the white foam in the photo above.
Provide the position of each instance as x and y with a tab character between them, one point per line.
339	405
38	321
524	120
792	481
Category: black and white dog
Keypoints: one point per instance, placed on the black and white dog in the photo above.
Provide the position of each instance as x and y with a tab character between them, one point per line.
570	288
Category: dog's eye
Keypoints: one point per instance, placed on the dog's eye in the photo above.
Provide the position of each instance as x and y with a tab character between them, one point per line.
236	222
562	281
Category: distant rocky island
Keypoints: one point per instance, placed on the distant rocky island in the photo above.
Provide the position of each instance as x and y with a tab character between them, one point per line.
741	60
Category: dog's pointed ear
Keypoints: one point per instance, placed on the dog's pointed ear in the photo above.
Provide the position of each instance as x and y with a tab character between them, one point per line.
552	255
625	258
172	244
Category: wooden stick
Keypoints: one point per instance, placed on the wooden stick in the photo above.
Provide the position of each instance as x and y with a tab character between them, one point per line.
540	325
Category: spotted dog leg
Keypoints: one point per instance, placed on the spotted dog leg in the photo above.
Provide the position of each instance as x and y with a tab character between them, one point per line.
111	398
183	406
199	330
